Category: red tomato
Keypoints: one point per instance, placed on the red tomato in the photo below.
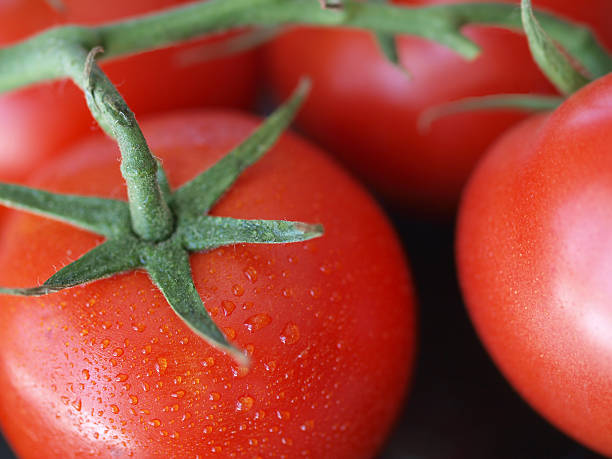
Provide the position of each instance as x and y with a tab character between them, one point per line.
365	110
155	81
108	368
535	262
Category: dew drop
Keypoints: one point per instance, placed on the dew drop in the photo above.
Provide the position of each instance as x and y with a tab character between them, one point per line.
214	396
287	292
308	425
244	403
85	373
178	394
270	366
138	327
121	377
133	399
290	334
230	333
76	404
118	352
257	322
147	349
251	274
208	362
161	365
155	422
114	409
228	307
238	290
105	343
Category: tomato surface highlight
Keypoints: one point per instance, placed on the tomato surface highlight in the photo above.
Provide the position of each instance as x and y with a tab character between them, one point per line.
365	110
534	251
108	368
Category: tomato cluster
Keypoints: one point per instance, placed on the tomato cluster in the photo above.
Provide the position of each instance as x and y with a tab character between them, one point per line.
108	369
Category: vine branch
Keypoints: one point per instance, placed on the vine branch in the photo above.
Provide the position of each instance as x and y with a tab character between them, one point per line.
35	59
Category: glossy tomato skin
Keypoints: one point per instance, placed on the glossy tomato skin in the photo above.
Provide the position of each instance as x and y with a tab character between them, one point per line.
535	262
150	82
365	110
109	369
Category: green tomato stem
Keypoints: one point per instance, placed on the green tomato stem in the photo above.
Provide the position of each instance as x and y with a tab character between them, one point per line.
150	213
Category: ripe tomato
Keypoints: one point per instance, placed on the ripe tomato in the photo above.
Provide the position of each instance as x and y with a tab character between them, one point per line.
149	82
535	262
365	110
108	368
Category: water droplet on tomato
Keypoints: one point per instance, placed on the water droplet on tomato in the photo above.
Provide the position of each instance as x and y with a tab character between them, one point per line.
114	409
105	343
251	274
257	322
76	404
228	307
155	422
244	403
290	334
85	373
133	400
308	425
230	333
178	394
238	290
161	365
138	327
118	352
121	377
214	396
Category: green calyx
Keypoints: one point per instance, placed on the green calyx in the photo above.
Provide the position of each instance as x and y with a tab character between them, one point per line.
167	260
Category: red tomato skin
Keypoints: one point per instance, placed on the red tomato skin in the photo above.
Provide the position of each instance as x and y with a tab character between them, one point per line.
365	110
535	265
150	82
332	319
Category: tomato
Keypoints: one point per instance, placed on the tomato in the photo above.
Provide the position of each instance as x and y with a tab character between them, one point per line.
149	82
108	369
534	252
365	110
